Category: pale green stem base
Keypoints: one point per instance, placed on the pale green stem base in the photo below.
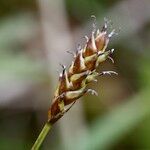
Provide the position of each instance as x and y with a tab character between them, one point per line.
42	136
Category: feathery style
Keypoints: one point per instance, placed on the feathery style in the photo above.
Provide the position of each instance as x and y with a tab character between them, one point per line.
73	82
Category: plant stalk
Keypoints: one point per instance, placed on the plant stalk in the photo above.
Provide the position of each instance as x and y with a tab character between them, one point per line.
41	136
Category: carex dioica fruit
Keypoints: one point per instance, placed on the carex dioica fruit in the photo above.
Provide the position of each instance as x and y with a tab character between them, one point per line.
73	82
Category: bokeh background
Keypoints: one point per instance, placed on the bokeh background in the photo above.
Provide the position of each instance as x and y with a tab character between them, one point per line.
34	38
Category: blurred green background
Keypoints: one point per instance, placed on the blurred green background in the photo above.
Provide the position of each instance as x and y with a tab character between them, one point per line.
34	38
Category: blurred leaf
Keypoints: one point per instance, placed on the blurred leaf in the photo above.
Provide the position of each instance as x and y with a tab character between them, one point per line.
21	67
16	29
13	144
144	75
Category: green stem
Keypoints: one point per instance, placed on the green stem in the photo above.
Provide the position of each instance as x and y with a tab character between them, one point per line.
41	136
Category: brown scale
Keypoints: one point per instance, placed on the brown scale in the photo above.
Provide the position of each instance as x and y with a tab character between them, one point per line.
53	110
78	66
90	47
101	42
63	87
89	50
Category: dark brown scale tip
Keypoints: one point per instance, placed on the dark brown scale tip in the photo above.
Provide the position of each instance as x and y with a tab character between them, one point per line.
64	67
104	28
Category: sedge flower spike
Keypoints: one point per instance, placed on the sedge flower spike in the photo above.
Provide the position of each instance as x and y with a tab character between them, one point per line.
73	82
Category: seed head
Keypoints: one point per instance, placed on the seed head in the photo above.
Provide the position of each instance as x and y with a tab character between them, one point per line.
73	83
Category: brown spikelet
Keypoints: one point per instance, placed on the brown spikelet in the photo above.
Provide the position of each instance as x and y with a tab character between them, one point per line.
73	83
